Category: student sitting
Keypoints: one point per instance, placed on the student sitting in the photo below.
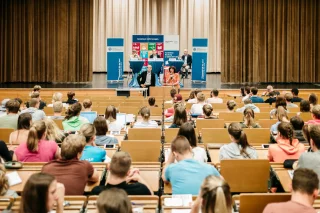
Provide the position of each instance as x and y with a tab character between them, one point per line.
53	131
214	97
71	98
57	97
21	134
207	112
34	110
152	102
114	200
188	131
214	196
287	146
180	117
170	111
305	189
248	104
173	92
196	109
90	152
123	177
281	115
111	117
248	117
305	106
295	93
193	96
315	113
10	120
239	148
297	124
289	97
254	97
87	105
271	99
69	170
231	104
187	175
146	122
247	93
269	90
280	101
57	111
102	128
313	99
37	148
73	121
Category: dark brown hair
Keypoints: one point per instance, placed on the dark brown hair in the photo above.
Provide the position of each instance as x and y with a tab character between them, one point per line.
73	110
313	99
214	92
188	131
314	133
306	133
71	94
281	101
87	103
248	115
236	131
180	145
24	121
304	106
180	116
111	113
151	101
297	122
114	200
173	92
13	106
254	90
231	104
101	125
305	181
286	130
120	164
172	67
207	109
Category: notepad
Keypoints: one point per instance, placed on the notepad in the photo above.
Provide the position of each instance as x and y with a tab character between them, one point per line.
13	178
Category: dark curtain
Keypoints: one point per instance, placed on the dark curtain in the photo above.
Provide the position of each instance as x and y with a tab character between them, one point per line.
46	40
270	40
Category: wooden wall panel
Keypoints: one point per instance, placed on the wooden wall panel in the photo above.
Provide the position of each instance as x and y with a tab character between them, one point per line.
270	40
46	40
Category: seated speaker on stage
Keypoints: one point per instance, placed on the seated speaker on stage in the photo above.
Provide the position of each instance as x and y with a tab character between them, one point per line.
187	63
134	55
147	79
154	54
172	78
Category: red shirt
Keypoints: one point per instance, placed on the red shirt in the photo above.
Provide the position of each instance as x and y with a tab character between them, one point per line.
315	121
290	206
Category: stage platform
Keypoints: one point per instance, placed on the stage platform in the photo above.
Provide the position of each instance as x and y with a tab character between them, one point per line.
99	81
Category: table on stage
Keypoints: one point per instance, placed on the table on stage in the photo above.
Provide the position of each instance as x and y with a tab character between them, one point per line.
177	64
156	68
126	91
136	67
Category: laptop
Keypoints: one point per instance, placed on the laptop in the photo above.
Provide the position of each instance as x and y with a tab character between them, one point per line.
91	116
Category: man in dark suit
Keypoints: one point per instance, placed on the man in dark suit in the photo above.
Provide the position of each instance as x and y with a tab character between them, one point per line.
147	79
154	54
187	63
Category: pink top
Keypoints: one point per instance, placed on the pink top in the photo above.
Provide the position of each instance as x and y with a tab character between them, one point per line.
46	152
315	121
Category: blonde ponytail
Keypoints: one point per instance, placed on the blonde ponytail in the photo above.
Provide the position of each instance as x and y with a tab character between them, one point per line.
36	132
221	204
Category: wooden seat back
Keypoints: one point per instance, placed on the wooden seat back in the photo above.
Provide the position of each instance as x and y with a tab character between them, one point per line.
209	123
258	136
142	151
233	116
215	135
266	123
59	123
5	134
144	134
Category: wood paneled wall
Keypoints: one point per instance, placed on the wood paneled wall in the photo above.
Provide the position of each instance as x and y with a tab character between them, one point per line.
46	40
270	40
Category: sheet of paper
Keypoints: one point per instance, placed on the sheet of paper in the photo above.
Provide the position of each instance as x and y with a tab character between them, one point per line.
129	118
186	199
13	178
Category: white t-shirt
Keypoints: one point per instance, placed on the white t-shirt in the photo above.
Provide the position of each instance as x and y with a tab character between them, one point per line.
196	109
143	124
114	126
214	100
193	101
245	97
200	154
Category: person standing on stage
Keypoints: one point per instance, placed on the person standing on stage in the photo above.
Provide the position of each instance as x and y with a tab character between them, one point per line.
187	61
172	78
147	79
154	54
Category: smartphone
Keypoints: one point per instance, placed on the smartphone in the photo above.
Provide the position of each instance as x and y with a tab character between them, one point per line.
109	146
265	146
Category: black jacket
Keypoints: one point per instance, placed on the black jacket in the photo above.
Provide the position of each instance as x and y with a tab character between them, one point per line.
143	76
189	59
158	56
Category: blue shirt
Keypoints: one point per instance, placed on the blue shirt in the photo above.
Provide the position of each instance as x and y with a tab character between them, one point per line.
93	154
274	127
186	176
256	99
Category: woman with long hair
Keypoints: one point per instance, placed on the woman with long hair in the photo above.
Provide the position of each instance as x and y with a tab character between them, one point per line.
146	121
180	117
231	104
282	116
111	117
239	148
287	147
37	148
4	184
41	193
73	121
101	133
21	134
53	131
114	200
280	102
248	119
214	196
313	99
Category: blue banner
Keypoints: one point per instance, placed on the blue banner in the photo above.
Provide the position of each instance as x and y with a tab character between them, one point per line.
170	54
147	38
199	59
115	59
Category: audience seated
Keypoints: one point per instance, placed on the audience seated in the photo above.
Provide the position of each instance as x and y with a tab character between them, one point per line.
295	93
87	105
239	148
188	131
146	122
280	101
22	105
4	184
114	200
180	117
214	196
152	102
53	131
36	94
214	97
289	97
269	90
305	106
207	112
73	121
231	104
305	189
287	146
57	97
187	175
271	99
196	109
37	148
254	97
247	93
315	113
10	120
71	98
101	130
313	99
69	170
5	154
248	104
311	160
281	115
242	92
111	117
297	124
42	193
57	111
122	176
34	110
248	119
193	96
173	92
90	152
170	111
3	109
